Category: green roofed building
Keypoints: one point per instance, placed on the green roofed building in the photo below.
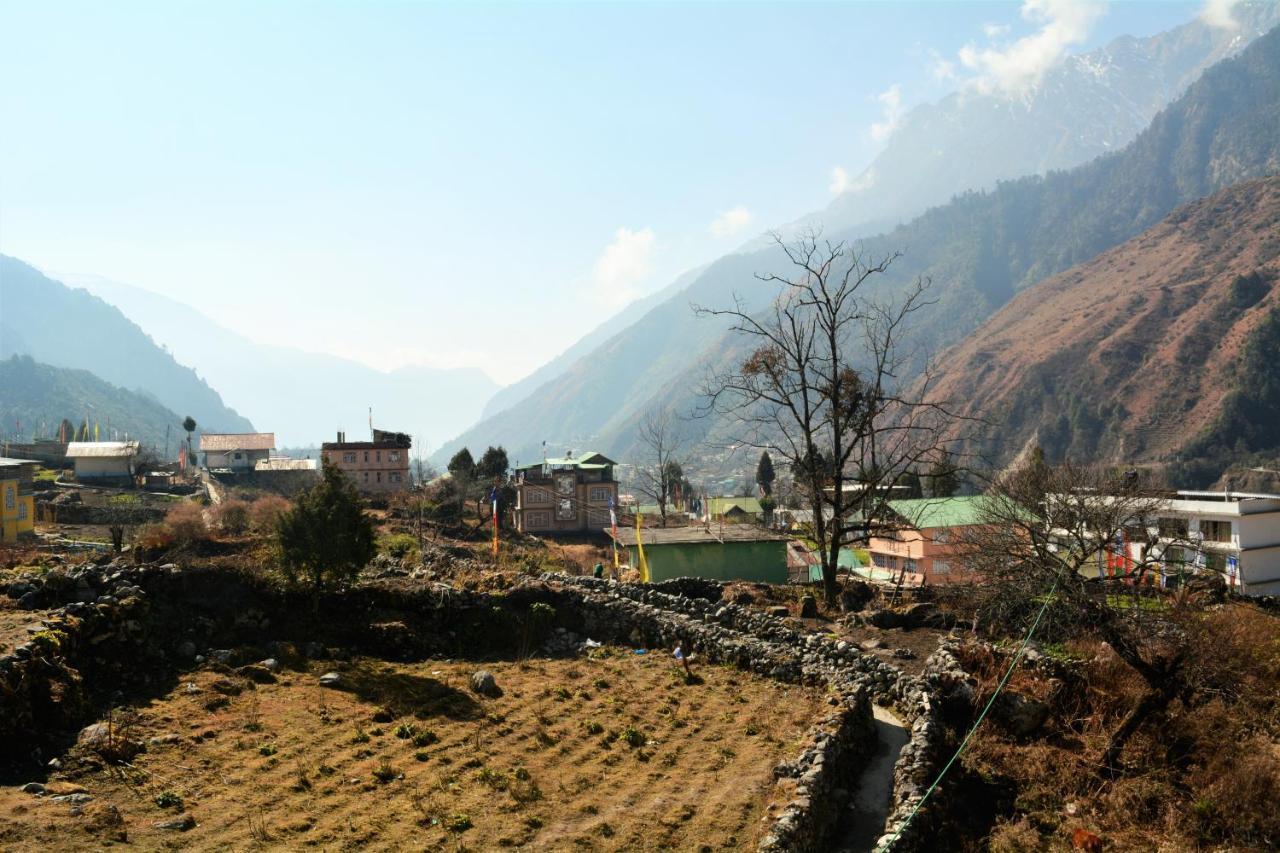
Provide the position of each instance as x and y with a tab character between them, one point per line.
736	553
569	494
922	549
743	509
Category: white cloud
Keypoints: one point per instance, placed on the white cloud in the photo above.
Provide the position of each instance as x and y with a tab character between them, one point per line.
1020	65
1217	13
940	67
731	222
622	265
995	31
891	99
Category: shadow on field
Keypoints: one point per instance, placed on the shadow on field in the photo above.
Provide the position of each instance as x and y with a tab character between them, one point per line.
405	693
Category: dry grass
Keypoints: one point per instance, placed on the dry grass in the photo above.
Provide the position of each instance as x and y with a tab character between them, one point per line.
614	752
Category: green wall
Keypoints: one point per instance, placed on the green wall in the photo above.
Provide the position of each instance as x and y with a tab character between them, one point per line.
764	562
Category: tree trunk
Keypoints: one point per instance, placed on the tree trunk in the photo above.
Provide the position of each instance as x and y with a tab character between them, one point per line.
1152	702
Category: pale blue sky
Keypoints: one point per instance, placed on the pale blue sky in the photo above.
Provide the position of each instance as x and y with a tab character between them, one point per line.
442	183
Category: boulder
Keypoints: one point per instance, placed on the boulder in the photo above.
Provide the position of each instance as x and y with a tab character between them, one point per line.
177	824
779	611
331	679
257	673
109	742
882	619
33	788
483	683
1021	715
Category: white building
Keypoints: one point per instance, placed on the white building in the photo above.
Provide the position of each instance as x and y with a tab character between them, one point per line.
1234	534
103	461
236	451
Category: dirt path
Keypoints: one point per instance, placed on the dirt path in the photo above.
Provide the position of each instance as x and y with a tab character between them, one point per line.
870	806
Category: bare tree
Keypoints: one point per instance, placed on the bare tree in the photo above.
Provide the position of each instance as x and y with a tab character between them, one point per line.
1092	542
826	388
661	474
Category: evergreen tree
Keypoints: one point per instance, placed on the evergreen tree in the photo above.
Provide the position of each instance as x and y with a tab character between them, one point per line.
326	538
189	426
764	474
943	479
915	489
462	466
492	467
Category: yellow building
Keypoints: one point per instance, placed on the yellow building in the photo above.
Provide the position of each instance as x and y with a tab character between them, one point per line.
17	503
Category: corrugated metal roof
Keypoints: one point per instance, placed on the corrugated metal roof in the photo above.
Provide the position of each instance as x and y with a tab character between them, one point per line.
283	464
923	513
751	506
696	535
86	449
222	441
589	460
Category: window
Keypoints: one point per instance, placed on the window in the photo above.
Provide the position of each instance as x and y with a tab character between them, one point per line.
22	511
536	495
600	494
941	567
8	497
1216	531
238	456
349	457
883	561
379	476
393	456
1173	528
366	456
534	520
394	476
378	455
366	476
909	564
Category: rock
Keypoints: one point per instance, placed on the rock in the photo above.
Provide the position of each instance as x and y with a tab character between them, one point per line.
808	607
904	654
313	650
779	611
257	673
33	788
222	656
483	682
162	740
871	645
882	619
270	665
178	824
1021	715
227	687
331	679
30	601
919	614
74	799
108	742
186	650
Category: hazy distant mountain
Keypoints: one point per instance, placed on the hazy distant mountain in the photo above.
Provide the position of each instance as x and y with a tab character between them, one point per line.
39	397
978	250
517	391
1091	104
303	397
1162	350
64	327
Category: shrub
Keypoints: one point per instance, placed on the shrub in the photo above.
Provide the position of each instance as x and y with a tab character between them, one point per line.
154	537
267	749
458	823
185	523
405	731
265	512
384	772
594	728
327	538
232	517
168	799
400	546
361	736
634	737
425	737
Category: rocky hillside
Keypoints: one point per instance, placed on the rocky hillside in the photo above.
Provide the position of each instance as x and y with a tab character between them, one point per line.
979	251
1092	104
1160	350
64	327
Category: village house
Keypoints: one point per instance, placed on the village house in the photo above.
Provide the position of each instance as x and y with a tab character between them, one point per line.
103	462
740	510
922	547
17	502
236	451
1233	534
569	494
734	553
377	467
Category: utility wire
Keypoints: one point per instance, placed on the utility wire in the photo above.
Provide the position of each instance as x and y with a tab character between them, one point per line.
888	845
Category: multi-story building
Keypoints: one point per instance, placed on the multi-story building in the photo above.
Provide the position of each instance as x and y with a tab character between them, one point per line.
922	548
377	467
570	494
17	503
1232	534
236	451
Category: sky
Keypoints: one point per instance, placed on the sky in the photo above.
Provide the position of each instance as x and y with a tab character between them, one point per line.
473	184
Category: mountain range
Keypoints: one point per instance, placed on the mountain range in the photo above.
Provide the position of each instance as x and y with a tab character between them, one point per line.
1161	350
38	397
65	327
303	397
978	250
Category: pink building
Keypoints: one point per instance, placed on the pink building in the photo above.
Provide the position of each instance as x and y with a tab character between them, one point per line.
924	547
377	467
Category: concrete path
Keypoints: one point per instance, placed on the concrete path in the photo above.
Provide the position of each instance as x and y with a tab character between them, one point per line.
874	795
